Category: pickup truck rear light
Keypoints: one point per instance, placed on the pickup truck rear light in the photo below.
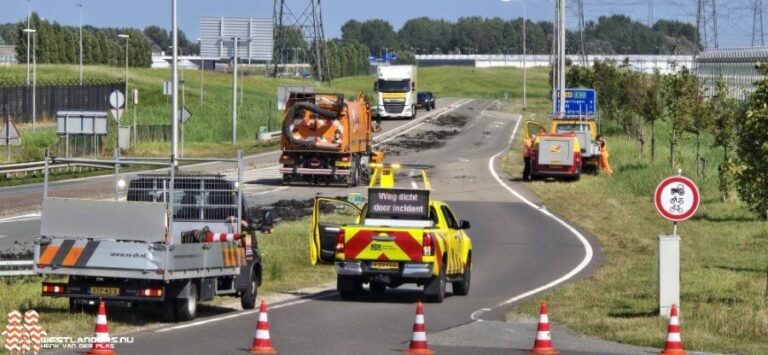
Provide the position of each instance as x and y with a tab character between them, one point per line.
428	244
151	292
286	159
340	238
53	288
345	158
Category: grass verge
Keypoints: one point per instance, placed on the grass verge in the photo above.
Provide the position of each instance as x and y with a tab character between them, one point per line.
286	268
723	254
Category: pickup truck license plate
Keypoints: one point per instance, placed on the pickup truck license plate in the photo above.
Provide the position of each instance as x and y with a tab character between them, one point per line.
105	291
384	265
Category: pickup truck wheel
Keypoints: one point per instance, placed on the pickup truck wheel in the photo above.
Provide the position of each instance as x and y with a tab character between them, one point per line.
248	298
186	308
348	286
434	290
461	288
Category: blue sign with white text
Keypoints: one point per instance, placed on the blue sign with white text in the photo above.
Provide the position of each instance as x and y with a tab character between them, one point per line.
578	103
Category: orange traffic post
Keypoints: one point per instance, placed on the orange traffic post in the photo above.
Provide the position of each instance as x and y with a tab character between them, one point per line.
261	342
674	343
101	343
543	342
419	338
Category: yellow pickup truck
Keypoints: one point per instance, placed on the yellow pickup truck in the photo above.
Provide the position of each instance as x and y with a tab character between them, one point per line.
399	236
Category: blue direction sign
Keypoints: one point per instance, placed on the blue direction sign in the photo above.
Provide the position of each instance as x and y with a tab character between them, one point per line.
578	103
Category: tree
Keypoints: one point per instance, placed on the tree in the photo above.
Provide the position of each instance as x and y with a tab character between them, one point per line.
654	107
681	90
726	113
378	34
753	149
352	31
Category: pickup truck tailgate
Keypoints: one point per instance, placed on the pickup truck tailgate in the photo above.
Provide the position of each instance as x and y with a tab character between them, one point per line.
383	244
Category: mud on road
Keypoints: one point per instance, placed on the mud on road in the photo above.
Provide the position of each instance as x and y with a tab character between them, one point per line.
437	133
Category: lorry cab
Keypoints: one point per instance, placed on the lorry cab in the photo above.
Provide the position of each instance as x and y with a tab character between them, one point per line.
395	89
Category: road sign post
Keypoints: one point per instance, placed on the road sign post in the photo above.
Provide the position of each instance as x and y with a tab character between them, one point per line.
9	135
676	199
578	103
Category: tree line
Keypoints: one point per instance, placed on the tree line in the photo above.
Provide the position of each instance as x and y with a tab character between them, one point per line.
630	101
617	34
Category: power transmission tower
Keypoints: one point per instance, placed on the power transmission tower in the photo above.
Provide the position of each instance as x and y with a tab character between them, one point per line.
309	23
650	13
702	17
757	21
583	53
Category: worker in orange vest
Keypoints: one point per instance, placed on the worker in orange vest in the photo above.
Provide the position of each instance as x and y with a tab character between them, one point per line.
604	155
527	149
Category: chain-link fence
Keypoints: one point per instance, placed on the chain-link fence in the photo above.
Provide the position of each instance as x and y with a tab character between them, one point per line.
16	98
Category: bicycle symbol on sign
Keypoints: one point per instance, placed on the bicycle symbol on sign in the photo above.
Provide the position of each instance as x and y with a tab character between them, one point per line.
677	199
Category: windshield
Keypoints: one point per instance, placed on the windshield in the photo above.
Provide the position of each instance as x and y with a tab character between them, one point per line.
394	85
573	127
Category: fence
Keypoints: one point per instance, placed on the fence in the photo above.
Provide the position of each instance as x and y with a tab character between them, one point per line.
16	98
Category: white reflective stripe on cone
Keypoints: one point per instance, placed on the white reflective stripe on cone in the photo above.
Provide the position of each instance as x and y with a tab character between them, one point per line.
101	319
419	336
263	317
542	336
674	337
262	334
674	321
419	319
543	319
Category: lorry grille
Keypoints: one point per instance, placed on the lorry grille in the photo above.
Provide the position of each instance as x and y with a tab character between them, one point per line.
394	108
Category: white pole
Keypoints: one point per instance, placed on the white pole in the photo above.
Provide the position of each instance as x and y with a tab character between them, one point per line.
29	14
234	93
81	42
175	83
34	82
561	58
525	66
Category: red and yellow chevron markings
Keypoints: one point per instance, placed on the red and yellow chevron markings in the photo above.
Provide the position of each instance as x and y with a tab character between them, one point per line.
407	246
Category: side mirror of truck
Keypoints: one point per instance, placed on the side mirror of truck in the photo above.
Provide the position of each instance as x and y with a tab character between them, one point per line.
464	224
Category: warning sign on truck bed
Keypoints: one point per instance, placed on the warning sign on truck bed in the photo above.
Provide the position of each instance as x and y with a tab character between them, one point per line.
398	203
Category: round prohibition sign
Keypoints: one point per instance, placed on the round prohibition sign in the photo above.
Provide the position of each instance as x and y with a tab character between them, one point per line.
677	198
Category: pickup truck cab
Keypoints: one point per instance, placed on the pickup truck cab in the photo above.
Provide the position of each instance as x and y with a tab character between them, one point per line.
399	236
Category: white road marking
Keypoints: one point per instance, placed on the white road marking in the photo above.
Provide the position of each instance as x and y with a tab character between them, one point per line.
20	218
457	105
588	253
244	313
269	191
3	236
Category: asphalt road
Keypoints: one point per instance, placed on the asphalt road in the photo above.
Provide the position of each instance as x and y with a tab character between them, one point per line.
519	250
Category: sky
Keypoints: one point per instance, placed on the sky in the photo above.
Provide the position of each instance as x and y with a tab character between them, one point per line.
734	20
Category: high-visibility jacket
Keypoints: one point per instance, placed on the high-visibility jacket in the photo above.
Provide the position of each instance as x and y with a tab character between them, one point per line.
527	144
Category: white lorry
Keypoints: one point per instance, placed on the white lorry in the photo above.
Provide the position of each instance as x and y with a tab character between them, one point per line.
395	88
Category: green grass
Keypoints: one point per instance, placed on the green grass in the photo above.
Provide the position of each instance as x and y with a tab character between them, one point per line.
286	267
723	253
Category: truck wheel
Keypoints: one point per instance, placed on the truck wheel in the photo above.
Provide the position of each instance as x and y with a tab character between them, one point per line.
348	286
434	290
461	288
354	173
248	298
186	308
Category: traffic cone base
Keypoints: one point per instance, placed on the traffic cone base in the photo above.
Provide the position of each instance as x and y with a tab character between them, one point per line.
418	343
674	343
101	344
261	341
543	342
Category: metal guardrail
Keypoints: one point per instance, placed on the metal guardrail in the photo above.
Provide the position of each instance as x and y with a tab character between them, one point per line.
16	267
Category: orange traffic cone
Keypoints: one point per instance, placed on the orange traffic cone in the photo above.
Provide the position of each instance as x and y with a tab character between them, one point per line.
543	343
261	342
419	338
674	344
101	344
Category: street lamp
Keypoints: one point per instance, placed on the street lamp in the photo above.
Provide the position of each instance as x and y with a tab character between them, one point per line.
127	37
525	66
31	32
202	70
81	42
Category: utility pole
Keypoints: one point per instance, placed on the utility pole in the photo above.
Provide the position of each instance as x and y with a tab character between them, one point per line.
561	56
714	23
29	14
650	13
582	38
174	83
81	42
234	92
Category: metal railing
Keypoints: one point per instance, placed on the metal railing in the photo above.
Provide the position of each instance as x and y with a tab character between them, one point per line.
30	167
16	267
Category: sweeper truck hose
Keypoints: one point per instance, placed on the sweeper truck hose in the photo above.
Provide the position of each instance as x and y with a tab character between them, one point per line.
297	110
